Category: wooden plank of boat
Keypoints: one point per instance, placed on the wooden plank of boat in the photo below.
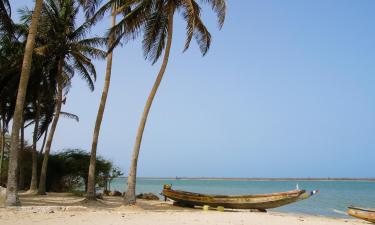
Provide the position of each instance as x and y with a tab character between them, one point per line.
260	201
362	213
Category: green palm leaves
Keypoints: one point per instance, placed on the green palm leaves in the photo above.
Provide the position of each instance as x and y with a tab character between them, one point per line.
150	18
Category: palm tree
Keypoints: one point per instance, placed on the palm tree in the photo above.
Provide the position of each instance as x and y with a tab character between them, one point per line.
12	185
155	19
11	54
111	5
12	190
71	51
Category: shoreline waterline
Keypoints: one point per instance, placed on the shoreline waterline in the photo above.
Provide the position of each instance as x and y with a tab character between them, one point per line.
333	197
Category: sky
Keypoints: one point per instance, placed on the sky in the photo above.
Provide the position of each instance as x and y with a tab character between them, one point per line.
286	90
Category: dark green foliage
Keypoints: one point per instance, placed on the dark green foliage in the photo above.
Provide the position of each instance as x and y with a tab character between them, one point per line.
149	18
6	23
67	170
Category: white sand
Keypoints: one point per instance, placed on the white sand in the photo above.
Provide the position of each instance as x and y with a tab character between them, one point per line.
62	209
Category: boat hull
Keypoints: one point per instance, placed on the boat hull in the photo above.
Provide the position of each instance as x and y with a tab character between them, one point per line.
260	202
362	213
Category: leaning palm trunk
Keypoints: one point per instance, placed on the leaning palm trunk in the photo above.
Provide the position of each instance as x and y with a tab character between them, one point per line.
43	173
129	197
34	168
12	185
91	195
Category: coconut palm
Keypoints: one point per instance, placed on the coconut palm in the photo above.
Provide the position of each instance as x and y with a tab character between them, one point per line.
12	193
12	185
11	54
71	51
154	19
109	6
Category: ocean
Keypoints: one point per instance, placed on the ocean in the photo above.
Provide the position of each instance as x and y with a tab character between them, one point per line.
333	197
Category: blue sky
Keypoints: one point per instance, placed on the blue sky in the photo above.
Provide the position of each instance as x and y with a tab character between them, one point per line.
286	90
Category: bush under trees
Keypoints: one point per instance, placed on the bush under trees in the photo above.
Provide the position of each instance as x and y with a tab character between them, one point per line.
67	170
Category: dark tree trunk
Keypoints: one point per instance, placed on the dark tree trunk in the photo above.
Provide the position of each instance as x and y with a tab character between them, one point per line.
2	147
43	173
34	169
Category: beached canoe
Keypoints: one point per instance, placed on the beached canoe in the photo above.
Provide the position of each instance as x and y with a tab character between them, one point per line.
362	213
260	202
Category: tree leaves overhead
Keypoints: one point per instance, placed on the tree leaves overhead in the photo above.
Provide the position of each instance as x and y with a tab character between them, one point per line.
62	39
150	17
6	23
58	37
220	8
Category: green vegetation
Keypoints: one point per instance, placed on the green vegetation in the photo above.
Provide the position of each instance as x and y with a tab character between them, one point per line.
41	54
67	171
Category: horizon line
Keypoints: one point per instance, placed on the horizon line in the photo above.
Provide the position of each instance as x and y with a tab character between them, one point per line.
259	178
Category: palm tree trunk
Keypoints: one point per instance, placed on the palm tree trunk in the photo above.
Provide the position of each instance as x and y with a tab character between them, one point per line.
12	185
44	141
34	167
21	178
129	198
91	195
43	173
2	146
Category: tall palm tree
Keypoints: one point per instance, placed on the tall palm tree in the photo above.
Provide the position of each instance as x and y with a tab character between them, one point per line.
91	195
155	19
72	51
113	6
12	185
11	58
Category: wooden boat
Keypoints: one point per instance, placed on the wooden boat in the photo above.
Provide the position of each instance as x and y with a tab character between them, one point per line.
362	213
260	202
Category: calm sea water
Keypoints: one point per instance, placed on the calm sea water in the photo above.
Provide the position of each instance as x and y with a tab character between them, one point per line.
334	195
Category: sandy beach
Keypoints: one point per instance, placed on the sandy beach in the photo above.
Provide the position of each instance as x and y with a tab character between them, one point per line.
56	209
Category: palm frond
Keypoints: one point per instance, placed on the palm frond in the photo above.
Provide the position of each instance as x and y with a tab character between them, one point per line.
70	116
6	23
131	25
85	69
155	32
189	14
220	8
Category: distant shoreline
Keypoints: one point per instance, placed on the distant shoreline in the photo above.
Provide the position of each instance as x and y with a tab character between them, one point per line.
258	179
